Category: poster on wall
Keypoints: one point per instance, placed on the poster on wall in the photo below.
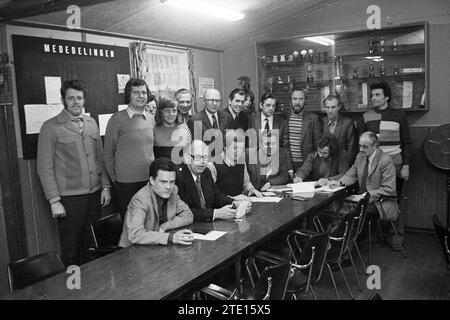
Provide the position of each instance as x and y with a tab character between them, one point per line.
204	84
44	64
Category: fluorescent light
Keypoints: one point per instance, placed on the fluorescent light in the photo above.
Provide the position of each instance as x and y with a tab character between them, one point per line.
374	57
206	8
321	40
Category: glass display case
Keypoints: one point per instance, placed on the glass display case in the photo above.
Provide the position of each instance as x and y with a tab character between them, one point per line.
347	63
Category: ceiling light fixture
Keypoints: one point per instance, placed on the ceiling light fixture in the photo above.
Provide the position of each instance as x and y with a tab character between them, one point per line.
206	8
321	40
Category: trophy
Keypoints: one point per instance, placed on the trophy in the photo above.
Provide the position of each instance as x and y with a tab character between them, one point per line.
381	44
309	78
370	45
371	74
338	81
382	70
395	69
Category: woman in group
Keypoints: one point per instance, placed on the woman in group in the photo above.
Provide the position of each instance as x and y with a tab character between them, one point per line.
169	132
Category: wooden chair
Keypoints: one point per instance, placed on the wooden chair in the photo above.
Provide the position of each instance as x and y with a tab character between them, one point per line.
106	233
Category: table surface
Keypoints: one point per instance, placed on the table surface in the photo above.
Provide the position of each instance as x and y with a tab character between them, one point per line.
161	272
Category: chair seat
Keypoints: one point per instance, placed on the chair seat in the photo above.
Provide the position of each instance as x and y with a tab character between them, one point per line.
298	282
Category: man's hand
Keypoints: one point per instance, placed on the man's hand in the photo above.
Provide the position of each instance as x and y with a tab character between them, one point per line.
255	192
184	236
225	213
265	187
334	184
240	197
322	182
236	204
297	180
58	210
105	197
291	174
404	172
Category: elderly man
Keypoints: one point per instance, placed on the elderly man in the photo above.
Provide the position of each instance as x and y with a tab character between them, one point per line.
129	143
73	176
184	100
156	209
235	107
196	186
304	131
339	126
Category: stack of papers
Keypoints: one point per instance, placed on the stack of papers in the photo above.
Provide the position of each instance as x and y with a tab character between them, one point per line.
210	236
265	199
279	189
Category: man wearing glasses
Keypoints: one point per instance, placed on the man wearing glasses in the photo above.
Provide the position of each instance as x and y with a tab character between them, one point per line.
210	118
198	190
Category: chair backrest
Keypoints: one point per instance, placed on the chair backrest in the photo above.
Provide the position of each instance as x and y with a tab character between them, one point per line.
360	213
341	236
320	243
272	283
25	272
443	235
107	230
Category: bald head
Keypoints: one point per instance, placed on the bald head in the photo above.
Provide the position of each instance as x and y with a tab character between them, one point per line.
368	143
196	156
212	100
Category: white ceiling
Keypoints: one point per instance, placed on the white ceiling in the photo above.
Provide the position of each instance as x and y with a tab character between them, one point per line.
159	21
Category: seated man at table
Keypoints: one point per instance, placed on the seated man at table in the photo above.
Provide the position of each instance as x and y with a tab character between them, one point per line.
197	188
230	173
155	209
327	163
375	173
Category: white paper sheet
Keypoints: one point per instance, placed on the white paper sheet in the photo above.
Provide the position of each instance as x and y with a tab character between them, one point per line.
102	122
268	194
37	114
52	90
266	199
122	80
407	94
328	189
210	236
303	187
279	188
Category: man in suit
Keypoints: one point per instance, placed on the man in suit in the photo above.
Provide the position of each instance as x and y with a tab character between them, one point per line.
303	131
375	173
341	127
209	125
197	188
236	101
184	100
72	173
155	209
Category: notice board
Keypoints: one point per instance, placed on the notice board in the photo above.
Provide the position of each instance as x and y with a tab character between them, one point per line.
42	64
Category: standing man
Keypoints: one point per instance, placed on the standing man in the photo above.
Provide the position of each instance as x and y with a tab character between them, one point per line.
392	128
70	167
184	100
304	131
339	126
129	144
235	104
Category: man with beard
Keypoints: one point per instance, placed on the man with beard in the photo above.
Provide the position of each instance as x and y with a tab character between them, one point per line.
70	167
303	131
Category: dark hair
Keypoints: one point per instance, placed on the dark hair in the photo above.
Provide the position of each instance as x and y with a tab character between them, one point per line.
164	164
330	141
236	91
164	103
73	84
151	98
267	95
297	89
383	86
249	94
135	82
180	92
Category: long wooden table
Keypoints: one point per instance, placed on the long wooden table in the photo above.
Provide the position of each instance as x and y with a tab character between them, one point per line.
164	272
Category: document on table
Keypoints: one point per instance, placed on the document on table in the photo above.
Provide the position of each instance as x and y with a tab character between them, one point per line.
328	189
268	194
303	187
279	188
266	199
210	236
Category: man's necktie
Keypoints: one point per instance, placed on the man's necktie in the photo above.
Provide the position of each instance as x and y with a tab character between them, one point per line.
268	135
363	186
200	192
79	123
215	126
332	126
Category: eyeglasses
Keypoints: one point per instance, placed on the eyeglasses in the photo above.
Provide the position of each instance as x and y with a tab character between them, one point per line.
198	157
364	146
213	100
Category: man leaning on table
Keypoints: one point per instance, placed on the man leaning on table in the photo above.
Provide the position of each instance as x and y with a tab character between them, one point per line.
156	209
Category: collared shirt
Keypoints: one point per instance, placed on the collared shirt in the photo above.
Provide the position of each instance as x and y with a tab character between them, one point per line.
372	156
263	121
332	125
132	112
233	114
209	115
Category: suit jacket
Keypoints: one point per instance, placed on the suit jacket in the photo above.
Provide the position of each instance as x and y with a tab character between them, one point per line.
240	122
311	167
280	177
345	133
309	136
214	198
380	181
201	121
141	225
279	123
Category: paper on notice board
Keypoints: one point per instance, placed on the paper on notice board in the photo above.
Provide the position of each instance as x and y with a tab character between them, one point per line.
52	87
102	122
203	84
37	114
122	80
407	94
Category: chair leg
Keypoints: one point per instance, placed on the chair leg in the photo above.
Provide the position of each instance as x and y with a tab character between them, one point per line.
380	233
354	270
360	257
345	280
370	243
334	282
312	292
249	273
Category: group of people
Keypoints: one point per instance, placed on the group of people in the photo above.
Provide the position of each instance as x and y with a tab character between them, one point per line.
169	168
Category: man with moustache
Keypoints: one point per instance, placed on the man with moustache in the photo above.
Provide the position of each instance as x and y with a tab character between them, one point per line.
70	167
129	144
184	100
303	131
156	209
235	104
